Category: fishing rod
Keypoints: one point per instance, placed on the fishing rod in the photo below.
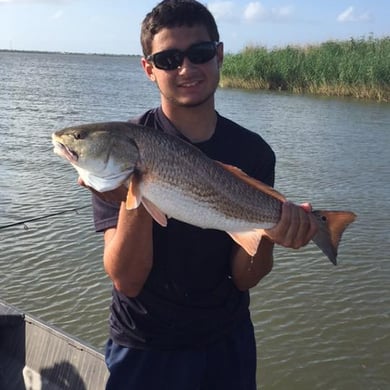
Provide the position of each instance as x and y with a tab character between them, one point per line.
24	222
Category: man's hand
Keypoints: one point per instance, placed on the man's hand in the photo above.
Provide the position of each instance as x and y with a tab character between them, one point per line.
297	226
117	195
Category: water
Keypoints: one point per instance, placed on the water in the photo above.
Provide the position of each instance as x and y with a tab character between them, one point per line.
317	326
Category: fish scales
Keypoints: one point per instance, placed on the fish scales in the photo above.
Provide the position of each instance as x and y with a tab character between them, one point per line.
186	168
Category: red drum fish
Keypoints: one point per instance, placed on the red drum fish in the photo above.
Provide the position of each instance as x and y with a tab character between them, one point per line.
173	179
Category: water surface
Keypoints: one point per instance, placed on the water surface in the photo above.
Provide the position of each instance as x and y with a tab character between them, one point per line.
317	326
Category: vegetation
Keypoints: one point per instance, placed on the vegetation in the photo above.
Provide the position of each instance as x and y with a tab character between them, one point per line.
359	68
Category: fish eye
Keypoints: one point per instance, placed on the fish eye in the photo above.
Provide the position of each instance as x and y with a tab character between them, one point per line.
79	135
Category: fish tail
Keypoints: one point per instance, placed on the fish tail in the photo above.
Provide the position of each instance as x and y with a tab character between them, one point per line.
331	227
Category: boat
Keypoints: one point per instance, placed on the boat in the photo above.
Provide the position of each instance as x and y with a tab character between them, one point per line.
35	355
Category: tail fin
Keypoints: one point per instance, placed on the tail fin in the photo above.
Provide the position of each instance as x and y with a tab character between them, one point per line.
331	227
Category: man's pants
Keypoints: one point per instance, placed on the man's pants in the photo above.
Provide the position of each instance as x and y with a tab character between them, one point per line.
229	364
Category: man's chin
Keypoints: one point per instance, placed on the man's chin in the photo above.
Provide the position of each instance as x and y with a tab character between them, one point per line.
194	102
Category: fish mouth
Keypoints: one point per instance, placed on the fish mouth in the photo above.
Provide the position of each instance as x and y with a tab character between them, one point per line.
64	151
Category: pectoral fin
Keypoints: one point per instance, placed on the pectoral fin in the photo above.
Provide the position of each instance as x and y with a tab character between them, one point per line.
155	212
249	241
133	199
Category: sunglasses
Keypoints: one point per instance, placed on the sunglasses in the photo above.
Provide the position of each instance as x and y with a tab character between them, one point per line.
199	53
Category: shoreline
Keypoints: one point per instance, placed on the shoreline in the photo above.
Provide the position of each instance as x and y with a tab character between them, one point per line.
340	91
356	68
250	77
67	53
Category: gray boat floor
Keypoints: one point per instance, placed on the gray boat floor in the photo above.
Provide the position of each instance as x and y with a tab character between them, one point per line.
37	356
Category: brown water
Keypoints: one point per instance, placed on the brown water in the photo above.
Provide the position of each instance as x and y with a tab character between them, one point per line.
317	326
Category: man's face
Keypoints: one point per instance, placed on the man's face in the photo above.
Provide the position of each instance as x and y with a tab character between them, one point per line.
191	84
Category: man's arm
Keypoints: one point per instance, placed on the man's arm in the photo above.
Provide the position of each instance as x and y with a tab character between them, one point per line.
247	271
296	228
128	250
128	247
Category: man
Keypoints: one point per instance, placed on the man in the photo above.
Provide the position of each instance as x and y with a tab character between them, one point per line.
180	309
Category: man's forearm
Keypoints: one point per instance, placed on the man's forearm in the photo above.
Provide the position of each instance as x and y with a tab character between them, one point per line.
128	251
247	271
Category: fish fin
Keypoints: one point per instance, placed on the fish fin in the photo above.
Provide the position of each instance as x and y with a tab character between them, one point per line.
249	240
155	212
253	182
331	227
133	199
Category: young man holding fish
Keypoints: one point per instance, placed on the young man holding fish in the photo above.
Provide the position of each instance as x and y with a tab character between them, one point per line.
179	314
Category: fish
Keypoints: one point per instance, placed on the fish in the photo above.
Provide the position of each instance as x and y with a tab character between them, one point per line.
174	179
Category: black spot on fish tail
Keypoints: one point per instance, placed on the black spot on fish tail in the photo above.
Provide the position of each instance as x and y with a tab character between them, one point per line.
331	227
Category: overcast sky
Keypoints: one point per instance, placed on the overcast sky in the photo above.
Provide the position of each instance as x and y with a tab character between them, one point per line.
112	26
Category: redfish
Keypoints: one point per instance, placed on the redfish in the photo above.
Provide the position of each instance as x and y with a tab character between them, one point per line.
173	179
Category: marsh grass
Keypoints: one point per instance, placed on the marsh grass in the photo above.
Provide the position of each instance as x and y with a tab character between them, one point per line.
358	68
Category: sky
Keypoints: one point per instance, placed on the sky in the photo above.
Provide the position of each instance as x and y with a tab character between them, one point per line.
112	26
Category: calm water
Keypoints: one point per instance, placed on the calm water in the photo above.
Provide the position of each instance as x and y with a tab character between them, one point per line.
317	326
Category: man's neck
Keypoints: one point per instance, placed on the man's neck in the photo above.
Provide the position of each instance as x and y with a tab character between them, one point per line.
196	123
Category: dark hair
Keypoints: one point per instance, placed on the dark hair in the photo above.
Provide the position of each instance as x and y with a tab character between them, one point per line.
176	13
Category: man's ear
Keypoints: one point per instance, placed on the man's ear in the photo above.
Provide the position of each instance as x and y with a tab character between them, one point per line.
220	54
148	69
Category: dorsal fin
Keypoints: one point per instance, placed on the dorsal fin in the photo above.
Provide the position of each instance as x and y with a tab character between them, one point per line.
253	182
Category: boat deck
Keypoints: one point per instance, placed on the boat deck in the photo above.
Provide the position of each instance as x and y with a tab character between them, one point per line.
37	356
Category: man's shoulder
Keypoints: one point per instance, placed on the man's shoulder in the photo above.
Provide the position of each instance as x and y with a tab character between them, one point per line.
245	149
241	136
148	118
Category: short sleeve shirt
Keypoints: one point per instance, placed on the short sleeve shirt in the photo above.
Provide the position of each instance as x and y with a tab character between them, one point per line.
189	299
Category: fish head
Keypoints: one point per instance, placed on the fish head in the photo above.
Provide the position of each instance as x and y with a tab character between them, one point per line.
103	155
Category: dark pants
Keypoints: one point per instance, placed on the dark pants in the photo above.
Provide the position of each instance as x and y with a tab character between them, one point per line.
229	364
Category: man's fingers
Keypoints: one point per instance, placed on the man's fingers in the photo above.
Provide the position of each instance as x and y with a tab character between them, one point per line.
296	227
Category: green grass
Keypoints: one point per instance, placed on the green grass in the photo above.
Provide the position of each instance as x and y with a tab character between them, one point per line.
358	67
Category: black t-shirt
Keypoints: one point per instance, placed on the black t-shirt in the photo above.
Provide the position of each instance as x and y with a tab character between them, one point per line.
189	299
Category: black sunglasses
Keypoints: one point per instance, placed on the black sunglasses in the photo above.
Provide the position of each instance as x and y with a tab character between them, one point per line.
199	53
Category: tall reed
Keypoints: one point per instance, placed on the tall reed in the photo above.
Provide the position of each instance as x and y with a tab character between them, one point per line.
358	67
